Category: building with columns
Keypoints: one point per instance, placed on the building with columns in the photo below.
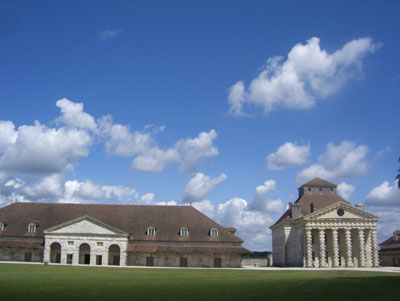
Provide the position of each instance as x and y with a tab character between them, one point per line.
122	235
321	229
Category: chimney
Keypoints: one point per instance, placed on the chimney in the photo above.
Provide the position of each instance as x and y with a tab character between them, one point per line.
296	211
359	206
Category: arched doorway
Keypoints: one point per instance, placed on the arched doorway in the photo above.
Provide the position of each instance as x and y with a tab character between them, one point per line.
114	255
84	254
55	253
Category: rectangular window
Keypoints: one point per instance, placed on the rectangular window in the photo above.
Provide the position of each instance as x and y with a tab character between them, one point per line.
151	231
214	232
99	259
184	232
1	227
69	258
70	243
99	243
32	228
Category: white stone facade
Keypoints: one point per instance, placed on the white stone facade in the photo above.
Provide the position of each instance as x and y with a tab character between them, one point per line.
337	235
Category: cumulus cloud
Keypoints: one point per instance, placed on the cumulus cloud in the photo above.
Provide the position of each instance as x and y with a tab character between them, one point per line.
193	150
384	201
252	226
72	115
37	149
339	162
261	200
199	186
345	190
309	73
148	156
109	34
384	195
289	154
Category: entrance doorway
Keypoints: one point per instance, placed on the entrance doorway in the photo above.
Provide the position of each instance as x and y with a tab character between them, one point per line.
114	254
84	254
183	262
217	262
55	253
149	261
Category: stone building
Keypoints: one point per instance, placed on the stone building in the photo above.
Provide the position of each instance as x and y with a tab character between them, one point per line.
116	235
321	229
389	252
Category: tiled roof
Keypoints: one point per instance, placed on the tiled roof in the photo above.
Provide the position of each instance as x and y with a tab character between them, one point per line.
132	219
317	182
320	201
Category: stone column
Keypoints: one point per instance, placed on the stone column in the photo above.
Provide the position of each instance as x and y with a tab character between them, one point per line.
375	256
362	247
322	248
75	257
349	255
335	244
309	262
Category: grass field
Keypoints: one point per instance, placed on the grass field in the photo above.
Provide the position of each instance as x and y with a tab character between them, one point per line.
36	282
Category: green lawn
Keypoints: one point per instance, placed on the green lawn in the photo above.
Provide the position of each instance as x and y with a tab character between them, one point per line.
37	282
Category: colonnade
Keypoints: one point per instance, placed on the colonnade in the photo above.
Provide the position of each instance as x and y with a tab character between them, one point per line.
365	253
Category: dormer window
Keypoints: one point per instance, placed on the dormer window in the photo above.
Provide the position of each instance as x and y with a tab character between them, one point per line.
214	232
184	232
2	226
32	227
151	231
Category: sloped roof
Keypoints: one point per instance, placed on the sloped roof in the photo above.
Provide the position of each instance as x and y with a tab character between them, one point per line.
320	201
391	241
317	182
132	219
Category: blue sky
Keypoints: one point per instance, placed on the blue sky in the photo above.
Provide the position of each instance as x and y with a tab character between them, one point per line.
230	105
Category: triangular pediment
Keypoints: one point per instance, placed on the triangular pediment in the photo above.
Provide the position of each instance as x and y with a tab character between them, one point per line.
84	225
340	210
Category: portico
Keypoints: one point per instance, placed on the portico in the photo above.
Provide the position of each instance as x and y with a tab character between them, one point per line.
323	230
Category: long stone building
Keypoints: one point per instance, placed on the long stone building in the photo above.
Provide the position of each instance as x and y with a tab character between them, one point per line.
390	250
116	235
321	229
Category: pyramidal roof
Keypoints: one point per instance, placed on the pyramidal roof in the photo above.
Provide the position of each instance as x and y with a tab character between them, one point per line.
317	182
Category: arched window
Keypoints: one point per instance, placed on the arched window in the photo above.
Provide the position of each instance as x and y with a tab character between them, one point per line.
312	207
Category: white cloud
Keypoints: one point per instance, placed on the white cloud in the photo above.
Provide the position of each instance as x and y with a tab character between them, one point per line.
72	115
339	162
42	150
120	141
109	34
206	207
261	200
199	186
289	154
384	195
307	74
345	190
384	201
193	150
149	157
155	159
251	225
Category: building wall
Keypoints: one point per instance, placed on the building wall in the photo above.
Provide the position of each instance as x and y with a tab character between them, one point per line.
18	254
92	241
193	260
